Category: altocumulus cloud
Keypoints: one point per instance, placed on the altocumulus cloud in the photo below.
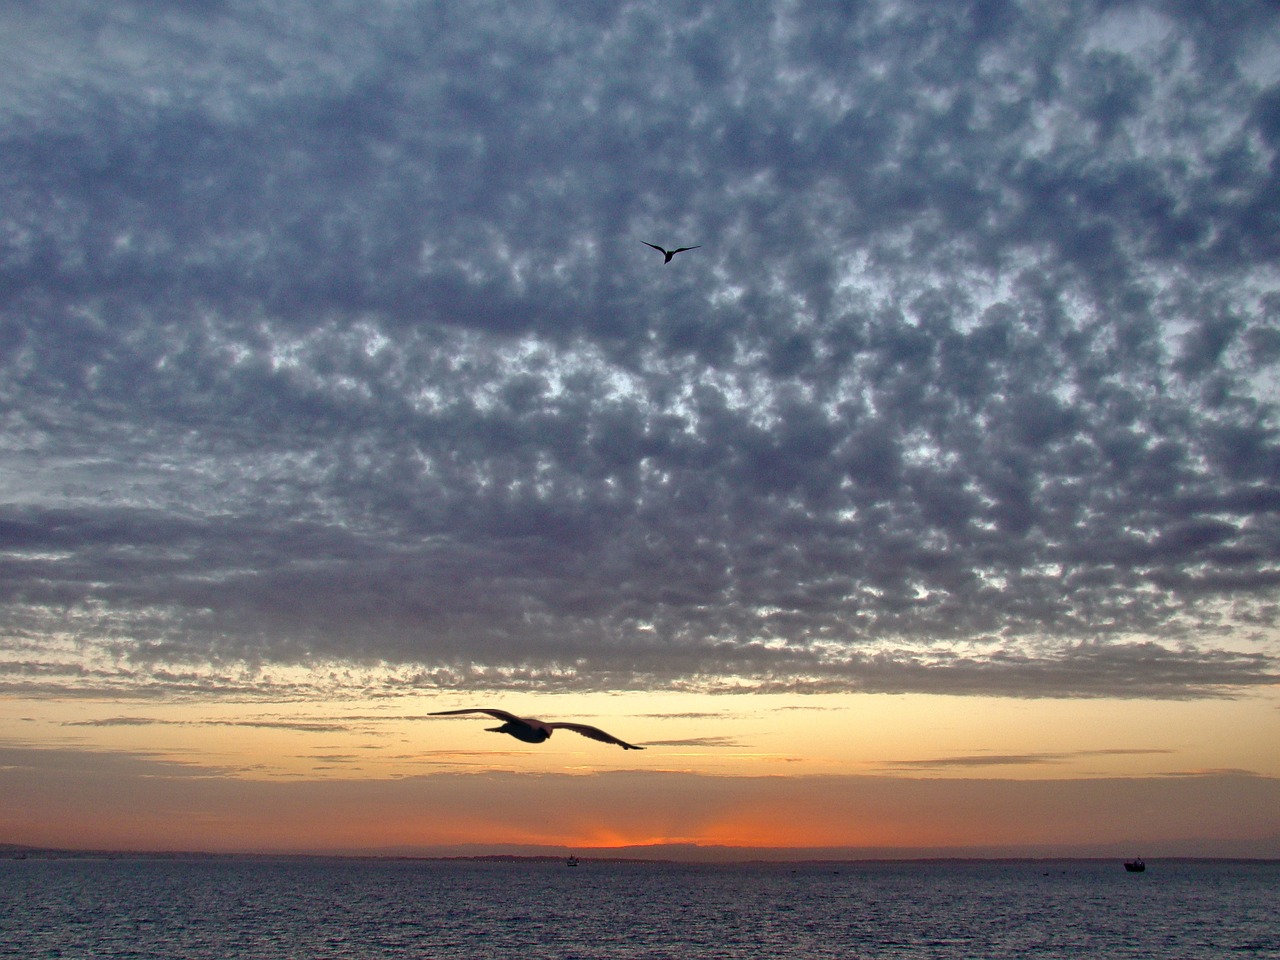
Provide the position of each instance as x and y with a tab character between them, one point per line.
327	341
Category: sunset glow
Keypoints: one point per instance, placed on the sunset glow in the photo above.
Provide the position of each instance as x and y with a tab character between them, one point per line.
927	503
878	773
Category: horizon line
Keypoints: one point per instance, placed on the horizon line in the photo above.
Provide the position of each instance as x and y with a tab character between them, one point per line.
701	854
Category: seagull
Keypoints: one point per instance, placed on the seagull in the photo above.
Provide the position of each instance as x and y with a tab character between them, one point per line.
536	731
668	253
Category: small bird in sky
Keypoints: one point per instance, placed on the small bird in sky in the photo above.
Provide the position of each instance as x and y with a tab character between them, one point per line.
536	731
668	254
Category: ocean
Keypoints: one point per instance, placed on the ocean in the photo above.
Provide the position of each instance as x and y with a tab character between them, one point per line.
263	909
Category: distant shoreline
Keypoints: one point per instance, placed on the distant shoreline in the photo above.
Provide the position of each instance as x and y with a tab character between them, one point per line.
10	851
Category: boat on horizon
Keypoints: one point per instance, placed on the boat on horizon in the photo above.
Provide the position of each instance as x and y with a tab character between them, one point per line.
1135	866
572	861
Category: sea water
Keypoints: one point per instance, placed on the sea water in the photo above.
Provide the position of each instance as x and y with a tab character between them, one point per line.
261	909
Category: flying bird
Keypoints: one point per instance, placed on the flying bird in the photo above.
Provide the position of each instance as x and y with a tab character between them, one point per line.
668	254
536	731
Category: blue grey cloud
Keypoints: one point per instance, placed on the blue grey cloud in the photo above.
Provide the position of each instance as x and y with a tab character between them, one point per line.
327	335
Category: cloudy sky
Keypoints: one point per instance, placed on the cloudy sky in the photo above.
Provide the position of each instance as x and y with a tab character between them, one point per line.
333	365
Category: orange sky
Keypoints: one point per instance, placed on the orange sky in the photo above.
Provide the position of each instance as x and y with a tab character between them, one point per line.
337	382
875	774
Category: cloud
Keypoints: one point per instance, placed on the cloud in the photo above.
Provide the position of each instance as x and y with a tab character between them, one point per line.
142	803
303	726
350	355
983	760
19	760
696	742
1013	760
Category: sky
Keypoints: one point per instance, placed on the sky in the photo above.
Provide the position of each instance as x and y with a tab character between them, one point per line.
930	504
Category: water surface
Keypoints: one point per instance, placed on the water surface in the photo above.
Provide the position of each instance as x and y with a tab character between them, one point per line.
201	909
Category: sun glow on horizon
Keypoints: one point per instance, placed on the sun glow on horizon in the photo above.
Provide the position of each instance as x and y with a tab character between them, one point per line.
759	771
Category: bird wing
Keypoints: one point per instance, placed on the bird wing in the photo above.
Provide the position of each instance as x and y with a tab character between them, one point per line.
654	245
595	733
683	249
496	714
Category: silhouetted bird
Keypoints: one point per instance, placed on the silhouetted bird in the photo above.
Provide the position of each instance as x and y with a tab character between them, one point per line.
668	254
536	731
